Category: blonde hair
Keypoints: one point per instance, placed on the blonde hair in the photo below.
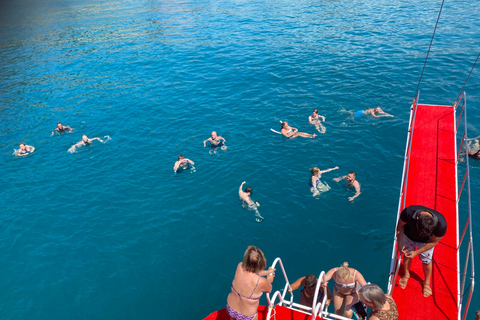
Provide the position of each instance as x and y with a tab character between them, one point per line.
254	260
343	272
314	170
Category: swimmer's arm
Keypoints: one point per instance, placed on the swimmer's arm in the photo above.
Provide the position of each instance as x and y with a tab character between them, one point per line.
241	186
328	276
294	286
383	114
30	148
357	191
323	118
359	277
175	167
205	141
328	170
339	178
222	139
98	140
190	161
53	132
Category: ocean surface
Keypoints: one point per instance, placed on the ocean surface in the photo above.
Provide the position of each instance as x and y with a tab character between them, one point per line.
110	232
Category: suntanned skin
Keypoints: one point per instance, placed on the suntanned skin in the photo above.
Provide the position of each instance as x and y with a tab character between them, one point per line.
351	182
408	256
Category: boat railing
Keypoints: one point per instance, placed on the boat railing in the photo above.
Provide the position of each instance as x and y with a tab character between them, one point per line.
396	257
467	270
317	308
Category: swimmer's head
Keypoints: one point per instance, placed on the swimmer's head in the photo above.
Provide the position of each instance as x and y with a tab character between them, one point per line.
84	138
254	260
214	135
315	171
310	280
59	125
351	176
22	145
315	111
284	124
180	157
378	109
248	190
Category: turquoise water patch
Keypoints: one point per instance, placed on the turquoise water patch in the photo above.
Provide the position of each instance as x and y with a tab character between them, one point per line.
111	233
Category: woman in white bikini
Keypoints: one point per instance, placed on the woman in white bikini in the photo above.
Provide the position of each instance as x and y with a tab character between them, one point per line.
345	288
290	132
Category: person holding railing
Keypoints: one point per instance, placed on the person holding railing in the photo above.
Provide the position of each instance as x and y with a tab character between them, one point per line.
383	306
249	284
419	230
345	288
309	283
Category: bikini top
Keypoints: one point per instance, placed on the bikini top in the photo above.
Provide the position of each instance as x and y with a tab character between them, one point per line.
346	286
250	297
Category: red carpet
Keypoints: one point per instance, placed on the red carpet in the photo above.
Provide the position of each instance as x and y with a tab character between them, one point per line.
279	313
432	183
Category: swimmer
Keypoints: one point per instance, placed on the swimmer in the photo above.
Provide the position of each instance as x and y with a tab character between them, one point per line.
215	142
474	149
315	120
24	150
376	112
316	184
292	133
351	182
182	163
85	141
61	129
247	202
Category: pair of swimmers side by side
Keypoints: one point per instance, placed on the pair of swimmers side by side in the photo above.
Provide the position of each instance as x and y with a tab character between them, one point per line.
317	186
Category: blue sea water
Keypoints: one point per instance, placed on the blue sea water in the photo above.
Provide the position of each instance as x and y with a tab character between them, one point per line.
109	232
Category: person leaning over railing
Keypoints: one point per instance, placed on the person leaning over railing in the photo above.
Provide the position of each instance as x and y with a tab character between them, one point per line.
383	306
249	284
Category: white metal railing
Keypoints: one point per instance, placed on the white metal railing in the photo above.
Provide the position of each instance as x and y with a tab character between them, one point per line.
396	257
317	308
469	264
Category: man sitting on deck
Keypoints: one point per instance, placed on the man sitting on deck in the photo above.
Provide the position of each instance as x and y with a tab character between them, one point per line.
422	229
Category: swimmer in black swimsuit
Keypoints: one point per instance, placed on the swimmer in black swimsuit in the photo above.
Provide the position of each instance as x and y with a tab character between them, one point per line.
24	150
215	142
85	141
61	129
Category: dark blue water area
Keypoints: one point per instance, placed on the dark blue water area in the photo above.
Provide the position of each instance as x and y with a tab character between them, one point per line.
110	232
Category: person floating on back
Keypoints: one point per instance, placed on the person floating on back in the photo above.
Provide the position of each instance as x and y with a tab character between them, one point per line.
215	142
351	182
61	129
24	150
292	133
375	112
315	120
182	164
419	230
